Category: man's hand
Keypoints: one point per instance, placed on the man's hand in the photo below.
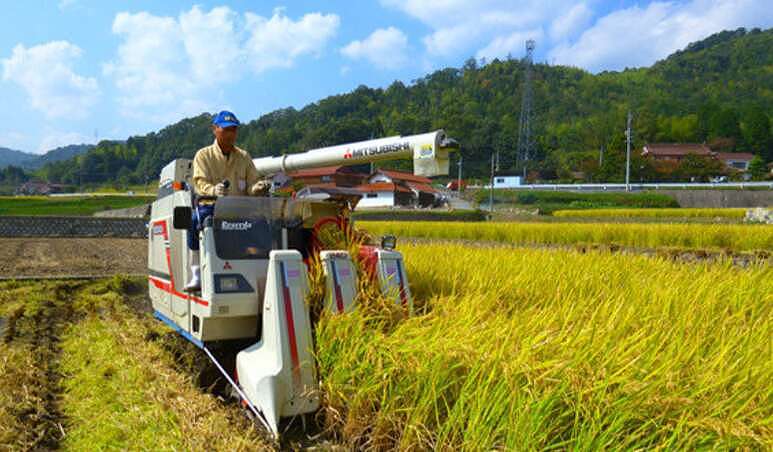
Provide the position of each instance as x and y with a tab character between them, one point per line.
221	190
260	188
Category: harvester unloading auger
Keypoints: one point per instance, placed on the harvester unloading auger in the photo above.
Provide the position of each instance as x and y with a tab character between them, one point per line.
253	258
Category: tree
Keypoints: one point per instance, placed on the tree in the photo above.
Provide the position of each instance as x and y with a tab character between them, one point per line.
756	131
757	168
724	124
697	168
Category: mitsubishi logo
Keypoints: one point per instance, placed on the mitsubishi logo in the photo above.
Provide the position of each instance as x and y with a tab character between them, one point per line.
227	266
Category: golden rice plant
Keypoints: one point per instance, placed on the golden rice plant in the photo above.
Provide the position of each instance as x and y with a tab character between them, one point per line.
542	349
736	237
726	213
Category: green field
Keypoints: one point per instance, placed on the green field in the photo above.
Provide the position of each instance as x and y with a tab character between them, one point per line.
549	201
80	206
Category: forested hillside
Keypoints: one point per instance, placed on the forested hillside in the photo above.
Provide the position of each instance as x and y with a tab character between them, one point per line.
719	90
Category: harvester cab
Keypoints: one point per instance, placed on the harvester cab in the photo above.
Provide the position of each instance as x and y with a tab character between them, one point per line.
254	253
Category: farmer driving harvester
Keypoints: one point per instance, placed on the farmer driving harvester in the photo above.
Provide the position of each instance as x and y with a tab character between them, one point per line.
220	169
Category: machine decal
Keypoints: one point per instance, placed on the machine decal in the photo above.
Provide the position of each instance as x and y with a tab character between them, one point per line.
337	286
168	286
290	325
383	149
236	225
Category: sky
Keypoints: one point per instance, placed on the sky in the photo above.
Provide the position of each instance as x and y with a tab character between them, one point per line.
80	71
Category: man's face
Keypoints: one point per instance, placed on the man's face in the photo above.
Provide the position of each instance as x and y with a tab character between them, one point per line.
225	136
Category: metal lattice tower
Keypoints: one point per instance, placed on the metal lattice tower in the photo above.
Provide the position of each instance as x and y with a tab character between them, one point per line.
525	141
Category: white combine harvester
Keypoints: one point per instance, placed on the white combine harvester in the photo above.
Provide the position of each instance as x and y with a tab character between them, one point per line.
253	267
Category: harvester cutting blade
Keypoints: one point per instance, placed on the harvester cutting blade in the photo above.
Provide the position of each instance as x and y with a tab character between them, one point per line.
278	374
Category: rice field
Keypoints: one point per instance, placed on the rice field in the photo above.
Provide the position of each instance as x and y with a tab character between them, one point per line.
726	213
734	237
508	349
540	349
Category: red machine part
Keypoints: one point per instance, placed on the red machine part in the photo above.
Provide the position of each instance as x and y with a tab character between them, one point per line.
368	259
337	222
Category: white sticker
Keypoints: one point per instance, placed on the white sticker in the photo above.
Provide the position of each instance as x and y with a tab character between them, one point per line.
242	184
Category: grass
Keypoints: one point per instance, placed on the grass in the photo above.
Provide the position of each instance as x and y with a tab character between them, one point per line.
549	201
540	349
734	237
730	213
78	206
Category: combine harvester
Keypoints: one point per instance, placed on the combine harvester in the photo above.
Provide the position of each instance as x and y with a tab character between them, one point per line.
254	253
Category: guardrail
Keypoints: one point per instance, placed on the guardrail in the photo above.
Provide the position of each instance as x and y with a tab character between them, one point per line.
635	187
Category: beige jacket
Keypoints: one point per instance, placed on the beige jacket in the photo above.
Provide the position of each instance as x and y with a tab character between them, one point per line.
211	166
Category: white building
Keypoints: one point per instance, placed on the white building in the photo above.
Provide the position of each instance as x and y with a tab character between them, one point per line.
383	194
507	181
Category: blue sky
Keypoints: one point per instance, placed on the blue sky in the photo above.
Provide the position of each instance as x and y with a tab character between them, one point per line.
74	71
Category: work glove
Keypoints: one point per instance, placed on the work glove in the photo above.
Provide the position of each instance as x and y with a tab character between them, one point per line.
260	188
221	190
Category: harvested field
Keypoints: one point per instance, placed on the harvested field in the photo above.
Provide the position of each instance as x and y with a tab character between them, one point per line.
71	256
84	367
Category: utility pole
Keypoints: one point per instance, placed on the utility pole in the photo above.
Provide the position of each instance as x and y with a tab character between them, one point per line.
525	141
628	152
601	155
491	187
459	178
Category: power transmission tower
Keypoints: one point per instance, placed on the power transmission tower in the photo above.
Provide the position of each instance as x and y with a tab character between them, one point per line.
525	143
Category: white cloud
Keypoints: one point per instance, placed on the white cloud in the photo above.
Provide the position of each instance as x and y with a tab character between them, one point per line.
575	20
46	73
211	40
278	41
639	36
512	44
447	41
460	25
384	48
168	67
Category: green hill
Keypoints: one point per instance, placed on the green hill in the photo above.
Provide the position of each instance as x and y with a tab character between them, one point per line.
718	90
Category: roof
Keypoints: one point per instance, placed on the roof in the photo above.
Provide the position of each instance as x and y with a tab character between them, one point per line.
676	149
315	172
323	171
742	156
382	186
421	187
408	177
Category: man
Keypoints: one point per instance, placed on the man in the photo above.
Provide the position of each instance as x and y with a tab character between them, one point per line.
221	169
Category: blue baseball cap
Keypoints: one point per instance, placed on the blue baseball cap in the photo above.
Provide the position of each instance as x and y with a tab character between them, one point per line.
225	119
